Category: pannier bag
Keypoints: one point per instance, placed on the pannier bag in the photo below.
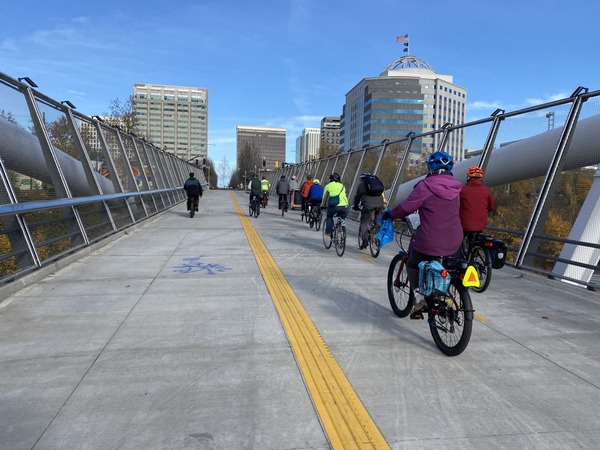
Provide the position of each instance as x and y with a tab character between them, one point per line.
498	254
374	185
433	278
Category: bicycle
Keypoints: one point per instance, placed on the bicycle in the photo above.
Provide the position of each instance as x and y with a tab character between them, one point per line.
314	217
450	315
476	248
283	204
373	235
254	208
338	235
192	205
265	199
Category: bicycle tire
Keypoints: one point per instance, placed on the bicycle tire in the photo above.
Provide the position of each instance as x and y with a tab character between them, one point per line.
451	324
340	240
318	221
307	215
327	241
400	295
256	208
480	258
192	212
374	243
251	209
403	236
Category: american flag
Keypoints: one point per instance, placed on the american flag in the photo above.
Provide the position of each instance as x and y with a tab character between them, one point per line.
402	38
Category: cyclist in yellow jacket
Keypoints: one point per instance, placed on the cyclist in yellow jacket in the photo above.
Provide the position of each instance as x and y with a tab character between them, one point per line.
335	200
264	187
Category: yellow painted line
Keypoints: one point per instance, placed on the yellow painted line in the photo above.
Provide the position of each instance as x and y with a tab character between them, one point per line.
480	317
345	419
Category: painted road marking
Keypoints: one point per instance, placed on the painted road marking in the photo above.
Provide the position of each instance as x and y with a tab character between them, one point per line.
345	419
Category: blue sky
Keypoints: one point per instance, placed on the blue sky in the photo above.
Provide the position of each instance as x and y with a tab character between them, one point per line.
288	63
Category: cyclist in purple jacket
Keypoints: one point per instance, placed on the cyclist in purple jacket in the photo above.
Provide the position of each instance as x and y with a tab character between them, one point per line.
437	199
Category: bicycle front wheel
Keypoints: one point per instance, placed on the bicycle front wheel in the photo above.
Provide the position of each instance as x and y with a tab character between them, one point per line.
340	240
326	238
403	236
400	294
480	258
451	322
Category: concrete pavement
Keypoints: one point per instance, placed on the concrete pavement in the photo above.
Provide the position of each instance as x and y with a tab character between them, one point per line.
168	338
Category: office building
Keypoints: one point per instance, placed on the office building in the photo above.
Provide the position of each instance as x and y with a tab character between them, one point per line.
330	135
264	143
307	145
174	118
408	96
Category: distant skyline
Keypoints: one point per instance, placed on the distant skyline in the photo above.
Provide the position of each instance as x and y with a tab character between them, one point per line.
288	64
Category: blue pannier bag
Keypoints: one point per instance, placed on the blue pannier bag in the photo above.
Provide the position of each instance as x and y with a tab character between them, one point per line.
433	278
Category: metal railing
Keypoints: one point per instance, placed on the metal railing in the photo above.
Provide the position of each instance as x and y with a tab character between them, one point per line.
68	180
544	176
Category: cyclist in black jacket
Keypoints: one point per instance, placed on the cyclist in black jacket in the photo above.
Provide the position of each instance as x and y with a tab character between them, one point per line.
193	189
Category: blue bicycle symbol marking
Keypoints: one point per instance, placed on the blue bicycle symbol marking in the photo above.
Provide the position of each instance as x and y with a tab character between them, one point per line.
194	264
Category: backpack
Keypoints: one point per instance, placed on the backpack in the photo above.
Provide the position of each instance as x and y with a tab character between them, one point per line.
374	185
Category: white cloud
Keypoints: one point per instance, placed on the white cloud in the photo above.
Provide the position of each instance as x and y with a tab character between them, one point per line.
480	104
549	98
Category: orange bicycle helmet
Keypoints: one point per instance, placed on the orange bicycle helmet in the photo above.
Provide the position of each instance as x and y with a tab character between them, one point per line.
475	172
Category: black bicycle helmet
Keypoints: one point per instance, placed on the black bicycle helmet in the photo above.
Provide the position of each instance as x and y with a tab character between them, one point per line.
364	175
335	177
440	161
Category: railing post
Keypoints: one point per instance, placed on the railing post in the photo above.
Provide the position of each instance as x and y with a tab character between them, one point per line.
541	208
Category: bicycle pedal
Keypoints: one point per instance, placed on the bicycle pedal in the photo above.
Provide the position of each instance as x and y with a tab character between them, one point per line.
418	315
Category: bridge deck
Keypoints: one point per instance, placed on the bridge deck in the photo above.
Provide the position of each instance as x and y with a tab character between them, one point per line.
196	333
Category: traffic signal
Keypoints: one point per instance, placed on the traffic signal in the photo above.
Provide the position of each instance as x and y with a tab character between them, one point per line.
264	162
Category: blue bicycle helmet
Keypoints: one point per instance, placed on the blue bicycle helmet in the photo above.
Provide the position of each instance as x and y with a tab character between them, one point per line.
440	161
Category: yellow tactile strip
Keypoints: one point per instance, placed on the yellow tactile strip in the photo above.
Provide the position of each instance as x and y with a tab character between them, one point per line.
344	417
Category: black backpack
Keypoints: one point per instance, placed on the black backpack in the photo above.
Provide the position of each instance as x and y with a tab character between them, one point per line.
374	185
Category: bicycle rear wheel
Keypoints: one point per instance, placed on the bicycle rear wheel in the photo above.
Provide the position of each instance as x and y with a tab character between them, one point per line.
400	294
327	241
340	240
451	321
192	211
318	220
374	242
480	258
256	208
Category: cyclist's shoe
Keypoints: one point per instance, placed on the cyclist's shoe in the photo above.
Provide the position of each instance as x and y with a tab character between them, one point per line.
417	311
196	209
364	244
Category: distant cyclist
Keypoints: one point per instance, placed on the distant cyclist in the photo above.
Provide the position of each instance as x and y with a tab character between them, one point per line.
283	188
255	188
315	194
437	198
304	189
476	201
335	200
264	187
294	186
193	189
366	201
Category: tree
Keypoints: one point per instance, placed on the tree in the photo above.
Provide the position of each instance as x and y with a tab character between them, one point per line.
122	115
223	170
249	160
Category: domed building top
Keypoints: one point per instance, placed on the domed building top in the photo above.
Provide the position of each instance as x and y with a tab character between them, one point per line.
408	62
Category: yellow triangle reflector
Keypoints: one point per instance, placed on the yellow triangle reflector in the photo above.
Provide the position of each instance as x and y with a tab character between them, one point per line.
471	278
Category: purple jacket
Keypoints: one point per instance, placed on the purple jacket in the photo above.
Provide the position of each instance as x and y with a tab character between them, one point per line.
437	198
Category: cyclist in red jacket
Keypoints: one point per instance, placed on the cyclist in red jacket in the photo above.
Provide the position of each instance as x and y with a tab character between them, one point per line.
476	201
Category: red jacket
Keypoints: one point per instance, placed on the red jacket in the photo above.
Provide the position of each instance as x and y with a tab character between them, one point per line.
476	200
